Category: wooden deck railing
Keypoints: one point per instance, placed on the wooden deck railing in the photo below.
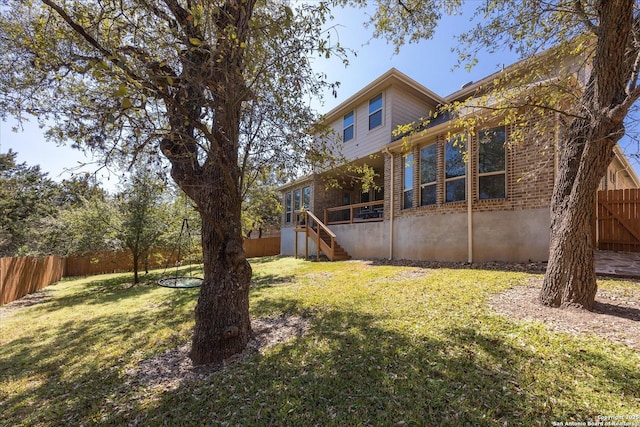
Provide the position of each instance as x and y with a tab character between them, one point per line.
359	212
325	239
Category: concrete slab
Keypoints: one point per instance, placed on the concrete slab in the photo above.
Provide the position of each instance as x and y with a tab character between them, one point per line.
618	264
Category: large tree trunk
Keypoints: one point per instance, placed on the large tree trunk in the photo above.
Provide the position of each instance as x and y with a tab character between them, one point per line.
222	326
570	279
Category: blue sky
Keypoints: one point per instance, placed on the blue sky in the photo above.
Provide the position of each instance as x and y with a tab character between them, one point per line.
430	63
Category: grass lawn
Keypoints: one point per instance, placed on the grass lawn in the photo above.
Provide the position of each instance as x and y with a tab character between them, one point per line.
386	345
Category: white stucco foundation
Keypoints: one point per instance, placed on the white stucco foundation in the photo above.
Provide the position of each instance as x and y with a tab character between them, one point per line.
512	236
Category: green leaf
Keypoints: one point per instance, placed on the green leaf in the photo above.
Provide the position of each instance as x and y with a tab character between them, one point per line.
195	41
122	90
126	103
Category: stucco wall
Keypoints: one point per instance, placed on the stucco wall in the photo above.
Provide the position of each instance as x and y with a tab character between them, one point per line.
365	240
513	236
288	243
517	236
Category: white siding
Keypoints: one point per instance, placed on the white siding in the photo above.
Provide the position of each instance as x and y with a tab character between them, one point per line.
366	141
406	108
399	107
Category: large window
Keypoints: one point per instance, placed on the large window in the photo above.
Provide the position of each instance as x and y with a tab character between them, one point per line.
455	171
428	174
407	189
306	198
375	112
287	207
491	164
297	199
347	127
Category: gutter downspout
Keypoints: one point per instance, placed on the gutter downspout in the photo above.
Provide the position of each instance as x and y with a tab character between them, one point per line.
469	203
386	151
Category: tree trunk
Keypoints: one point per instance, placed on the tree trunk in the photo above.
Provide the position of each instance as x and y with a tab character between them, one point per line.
136	279
570	279
222	326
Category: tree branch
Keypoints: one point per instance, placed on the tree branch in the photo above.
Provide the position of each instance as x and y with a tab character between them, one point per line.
584	18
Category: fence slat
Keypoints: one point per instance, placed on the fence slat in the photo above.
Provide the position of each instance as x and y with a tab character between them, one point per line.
24	275
267	246
619	220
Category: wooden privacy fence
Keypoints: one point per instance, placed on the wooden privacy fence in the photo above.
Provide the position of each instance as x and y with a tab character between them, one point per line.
24	275
267	246
618	220
112	262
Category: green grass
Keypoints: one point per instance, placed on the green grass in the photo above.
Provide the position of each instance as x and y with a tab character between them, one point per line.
387	346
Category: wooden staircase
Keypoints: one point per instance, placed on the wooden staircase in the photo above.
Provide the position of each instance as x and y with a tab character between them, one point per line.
325	239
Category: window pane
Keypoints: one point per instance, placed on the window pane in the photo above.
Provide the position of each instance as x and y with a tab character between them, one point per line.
296	199
375	103
492	187
379	194
408	171
428	164
454	160
375	119
306	197
287	202
375	112
347	126
455	190
348	119
407	202
287	207
428	195
347	134
491	152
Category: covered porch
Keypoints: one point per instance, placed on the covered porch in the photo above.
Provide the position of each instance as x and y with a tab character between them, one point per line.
345	201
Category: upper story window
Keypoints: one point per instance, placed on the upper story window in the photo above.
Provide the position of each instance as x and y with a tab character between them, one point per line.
491	164
407	189
455	171
428	174
375	112
347	127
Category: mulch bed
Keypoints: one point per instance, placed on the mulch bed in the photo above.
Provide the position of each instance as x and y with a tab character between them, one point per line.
173	367
615	317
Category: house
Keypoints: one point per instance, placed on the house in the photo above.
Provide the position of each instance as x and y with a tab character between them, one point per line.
489	201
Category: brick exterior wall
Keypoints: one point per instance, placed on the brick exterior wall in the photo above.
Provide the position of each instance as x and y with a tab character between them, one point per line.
529	179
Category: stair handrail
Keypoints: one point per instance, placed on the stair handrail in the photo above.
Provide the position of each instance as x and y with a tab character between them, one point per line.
321	224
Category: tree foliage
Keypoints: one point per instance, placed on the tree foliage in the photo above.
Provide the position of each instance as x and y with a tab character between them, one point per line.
131	78
27	198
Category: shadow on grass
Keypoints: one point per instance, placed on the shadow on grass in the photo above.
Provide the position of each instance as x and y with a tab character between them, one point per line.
350	371
75	370
103	289
263	281
265	259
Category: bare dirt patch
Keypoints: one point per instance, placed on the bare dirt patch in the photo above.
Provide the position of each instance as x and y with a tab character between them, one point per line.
616	314
173	367
29	300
